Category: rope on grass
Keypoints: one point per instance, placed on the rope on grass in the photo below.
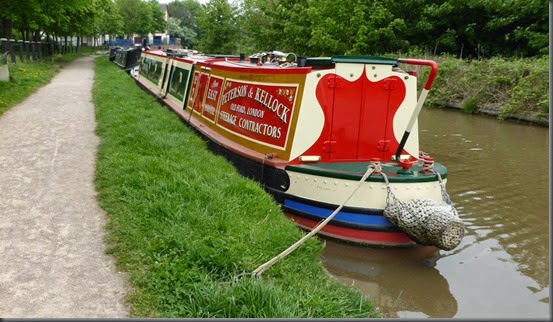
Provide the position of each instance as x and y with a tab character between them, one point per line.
258	271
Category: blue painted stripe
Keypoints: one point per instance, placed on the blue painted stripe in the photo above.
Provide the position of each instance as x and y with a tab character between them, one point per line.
349	217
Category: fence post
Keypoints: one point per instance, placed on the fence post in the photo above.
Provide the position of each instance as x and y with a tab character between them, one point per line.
41	49
37	49
33	50
11	50
49	49
20	45
27	55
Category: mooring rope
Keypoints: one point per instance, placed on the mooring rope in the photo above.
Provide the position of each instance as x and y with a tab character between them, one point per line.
373	168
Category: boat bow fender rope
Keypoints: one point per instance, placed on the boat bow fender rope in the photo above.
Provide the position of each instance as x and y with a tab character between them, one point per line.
426	221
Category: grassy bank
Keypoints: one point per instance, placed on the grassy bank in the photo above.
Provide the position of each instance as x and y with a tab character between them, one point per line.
508	88
189	229
26	77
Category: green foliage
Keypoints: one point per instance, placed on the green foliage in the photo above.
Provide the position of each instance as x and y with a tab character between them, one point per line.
462	28
187	227
178	30
509	86
158	22
139	17
531	93
108	20
185	12
470	105
218	29
4	58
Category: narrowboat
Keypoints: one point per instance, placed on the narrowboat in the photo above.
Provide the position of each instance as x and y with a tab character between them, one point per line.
126	58
307	129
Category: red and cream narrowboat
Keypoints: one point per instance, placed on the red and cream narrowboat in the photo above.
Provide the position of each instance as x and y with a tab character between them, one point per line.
307	129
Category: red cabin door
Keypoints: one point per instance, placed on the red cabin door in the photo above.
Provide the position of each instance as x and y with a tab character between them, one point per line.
362	115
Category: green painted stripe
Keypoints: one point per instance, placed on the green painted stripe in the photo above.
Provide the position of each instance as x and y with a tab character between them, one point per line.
364	60
356	170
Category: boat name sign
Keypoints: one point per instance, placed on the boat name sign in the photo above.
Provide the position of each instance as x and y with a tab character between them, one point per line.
245	106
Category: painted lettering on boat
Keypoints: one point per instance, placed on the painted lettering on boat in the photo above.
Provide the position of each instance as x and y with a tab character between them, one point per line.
228	118
260	128
234	93
214	85
209	109
272	104
260	112
238	108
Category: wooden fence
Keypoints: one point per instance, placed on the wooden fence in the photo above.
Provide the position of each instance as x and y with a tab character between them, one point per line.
33	50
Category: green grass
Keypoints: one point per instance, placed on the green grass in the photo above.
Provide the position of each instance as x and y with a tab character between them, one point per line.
27	77
188	229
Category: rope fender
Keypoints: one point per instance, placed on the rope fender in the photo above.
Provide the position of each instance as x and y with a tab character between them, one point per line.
426	221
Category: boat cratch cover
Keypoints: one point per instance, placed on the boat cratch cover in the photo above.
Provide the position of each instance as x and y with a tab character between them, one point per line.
426	221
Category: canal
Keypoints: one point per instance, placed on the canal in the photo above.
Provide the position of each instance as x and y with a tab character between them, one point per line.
499	182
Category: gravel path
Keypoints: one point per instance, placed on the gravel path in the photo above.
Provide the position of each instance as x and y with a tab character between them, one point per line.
52	254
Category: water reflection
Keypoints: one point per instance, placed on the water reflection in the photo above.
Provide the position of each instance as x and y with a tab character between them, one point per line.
499	182
395	279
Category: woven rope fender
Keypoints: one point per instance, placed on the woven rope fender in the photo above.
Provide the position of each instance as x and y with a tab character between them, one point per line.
426	221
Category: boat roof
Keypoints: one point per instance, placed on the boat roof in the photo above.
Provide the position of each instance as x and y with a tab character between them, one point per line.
233	61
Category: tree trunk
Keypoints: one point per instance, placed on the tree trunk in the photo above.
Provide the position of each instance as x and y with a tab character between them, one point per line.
6	31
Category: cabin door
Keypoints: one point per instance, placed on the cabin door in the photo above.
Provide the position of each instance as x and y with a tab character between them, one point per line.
361	115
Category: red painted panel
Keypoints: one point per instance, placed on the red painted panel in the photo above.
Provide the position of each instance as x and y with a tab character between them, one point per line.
376	136
346	117
358	118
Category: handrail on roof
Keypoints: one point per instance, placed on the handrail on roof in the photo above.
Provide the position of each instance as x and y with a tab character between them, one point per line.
364	60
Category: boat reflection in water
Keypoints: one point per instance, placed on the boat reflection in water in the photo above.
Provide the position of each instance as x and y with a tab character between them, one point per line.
401	282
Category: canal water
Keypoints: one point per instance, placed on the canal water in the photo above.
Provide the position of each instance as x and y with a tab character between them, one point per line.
499	182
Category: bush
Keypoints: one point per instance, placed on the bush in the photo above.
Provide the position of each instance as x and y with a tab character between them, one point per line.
4	59
531	93
509	86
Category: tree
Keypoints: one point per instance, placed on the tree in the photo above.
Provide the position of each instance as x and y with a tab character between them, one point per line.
158	22
361	27
107	21
186	12
176	30
136	15
218	30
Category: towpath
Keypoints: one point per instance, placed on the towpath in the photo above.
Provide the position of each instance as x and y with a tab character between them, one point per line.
52	253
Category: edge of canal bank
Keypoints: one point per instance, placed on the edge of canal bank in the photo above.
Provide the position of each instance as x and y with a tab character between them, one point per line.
531	119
